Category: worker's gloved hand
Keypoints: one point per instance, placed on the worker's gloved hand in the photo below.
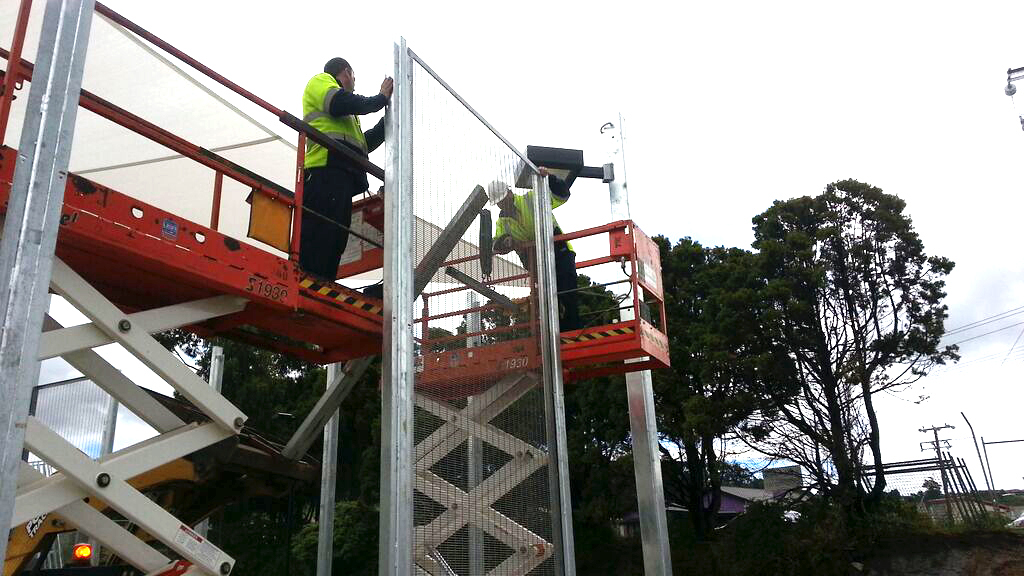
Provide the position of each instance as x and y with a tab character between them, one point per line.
387	87
503	245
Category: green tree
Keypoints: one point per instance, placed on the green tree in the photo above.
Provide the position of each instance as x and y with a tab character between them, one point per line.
354	545
721	362
857	303
932	489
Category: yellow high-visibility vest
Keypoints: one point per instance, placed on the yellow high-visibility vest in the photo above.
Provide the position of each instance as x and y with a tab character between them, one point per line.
520	227
316	110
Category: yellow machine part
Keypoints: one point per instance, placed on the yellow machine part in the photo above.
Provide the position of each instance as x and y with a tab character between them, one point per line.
24	540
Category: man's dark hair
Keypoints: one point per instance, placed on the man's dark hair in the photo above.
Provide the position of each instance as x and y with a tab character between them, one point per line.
335	66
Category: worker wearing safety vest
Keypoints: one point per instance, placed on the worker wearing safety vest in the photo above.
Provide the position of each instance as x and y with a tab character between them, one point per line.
514	231
330	181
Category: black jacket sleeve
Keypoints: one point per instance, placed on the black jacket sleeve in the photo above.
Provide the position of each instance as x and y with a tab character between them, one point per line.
374	136
349	104
558	187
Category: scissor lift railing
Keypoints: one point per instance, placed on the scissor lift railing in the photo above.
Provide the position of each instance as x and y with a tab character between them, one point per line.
587	352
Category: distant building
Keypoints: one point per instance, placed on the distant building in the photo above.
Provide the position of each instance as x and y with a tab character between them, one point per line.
735	501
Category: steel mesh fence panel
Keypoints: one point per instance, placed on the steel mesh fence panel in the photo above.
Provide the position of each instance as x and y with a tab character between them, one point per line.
482	502
942	491
76	410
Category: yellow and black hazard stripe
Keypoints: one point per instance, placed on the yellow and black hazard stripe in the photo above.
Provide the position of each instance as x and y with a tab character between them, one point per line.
333	293
588	336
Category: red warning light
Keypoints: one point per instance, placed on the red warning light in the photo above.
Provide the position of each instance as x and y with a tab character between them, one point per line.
81	552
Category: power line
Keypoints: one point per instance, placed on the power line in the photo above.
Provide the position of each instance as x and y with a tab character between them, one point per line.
986	320
979	324
986	334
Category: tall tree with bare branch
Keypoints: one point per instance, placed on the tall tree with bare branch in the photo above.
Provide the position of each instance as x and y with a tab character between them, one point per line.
858	304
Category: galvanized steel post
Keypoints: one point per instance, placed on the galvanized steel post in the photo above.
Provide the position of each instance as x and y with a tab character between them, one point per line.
396	482
30	233
554	400
328	481
474	447
216	381
643	424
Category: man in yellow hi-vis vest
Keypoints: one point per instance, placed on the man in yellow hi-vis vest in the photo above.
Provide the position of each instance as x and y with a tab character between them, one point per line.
330	105
514	231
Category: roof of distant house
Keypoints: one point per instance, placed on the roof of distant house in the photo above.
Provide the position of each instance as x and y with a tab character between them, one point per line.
749	494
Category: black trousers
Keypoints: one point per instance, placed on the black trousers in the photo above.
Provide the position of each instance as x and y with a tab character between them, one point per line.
327	193
565	279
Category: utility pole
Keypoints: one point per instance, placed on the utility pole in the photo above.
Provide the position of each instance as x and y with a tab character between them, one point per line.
942	468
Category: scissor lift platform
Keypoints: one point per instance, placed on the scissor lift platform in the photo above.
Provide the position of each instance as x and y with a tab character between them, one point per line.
141	258
627	346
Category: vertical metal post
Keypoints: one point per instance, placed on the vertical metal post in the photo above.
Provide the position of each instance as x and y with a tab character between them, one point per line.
328	483
618	194
218	187
109	427
300	161
650	494
30	233
216	382
554	400
396	459
106	447
978	450
474	460
643	423
217	368
988	463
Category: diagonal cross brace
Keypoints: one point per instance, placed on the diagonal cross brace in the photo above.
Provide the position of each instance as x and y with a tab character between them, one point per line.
491	434
479	499
482	289
58	490
449	238
491	403
95	478
474	507
325	407
114	382
462	506
58	341
91	521
115	324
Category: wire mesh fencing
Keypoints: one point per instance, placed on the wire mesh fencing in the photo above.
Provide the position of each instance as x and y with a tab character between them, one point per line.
77	410
941	489
482	501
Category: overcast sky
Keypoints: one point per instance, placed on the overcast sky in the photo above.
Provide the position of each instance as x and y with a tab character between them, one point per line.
729	106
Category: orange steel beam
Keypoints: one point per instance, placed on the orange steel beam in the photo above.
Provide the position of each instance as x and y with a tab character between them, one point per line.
12	77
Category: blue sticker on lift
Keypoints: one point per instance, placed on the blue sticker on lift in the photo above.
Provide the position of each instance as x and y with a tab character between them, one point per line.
170	229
